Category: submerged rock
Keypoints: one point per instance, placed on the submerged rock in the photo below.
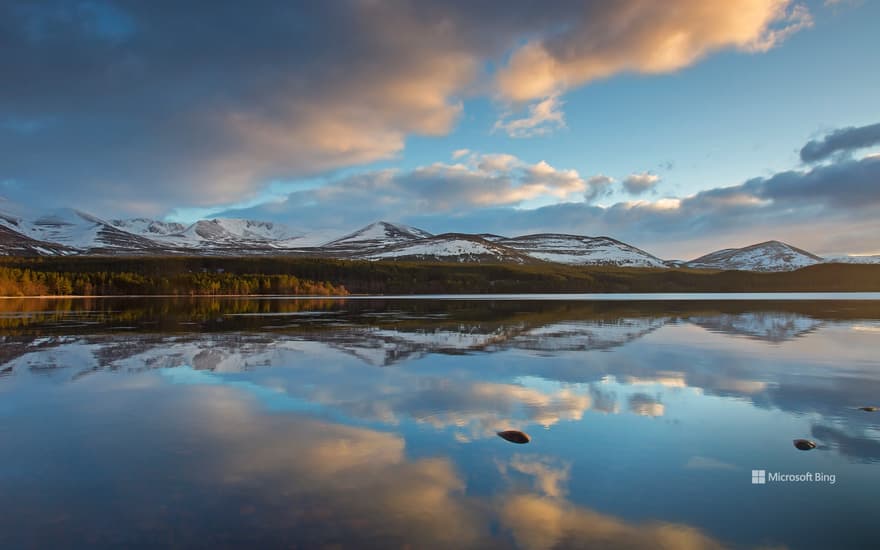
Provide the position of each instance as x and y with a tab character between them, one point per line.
804	444
515	436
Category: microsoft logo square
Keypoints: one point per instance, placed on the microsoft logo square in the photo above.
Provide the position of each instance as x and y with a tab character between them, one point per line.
759	477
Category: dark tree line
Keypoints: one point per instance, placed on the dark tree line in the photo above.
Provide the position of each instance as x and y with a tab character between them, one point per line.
321	276
33	281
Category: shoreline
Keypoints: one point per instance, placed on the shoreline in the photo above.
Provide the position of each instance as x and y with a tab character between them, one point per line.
575	296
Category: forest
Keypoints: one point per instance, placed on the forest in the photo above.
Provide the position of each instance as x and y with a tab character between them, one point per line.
40	280
95	275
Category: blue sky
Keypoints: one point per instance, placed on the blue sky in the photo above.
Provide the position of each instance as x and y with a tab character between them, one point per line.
332	116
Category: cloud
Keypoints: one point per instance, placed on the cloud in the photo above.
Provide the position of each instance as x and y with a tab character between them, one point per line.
550	475
481	409
860	447
477	181
294	480
846	184
630	36
152	107
177	110
598	186
542	118
844	140
361	474
636	184
826	209
539	523
553	181
605	39
645	405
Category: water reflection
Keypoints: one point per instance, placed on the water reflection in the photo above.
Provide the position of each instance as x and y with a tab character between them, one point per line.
373	423
280	479
47	344
777	326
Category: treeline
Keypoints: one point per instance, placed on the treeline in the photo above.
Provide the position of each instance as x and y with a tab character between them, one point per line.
41	280
291	275
178	313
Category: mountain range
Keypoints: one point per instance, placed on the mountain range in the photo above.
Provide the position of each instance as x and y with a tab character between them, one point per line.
73	232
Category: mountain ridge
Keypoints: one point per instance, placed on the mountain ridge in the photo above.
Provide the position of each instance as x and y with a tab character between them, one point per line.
74	232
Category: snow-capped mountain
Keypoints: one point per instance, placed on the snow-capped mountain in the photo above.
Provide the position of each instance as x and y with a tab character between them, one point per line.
578	250
233	230
376	237
226	234
218	231
69	231
72	231
766	256
451	247
79	231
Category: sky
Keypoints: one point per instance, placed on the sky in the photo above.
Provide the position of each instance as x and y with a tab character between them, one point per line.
681	126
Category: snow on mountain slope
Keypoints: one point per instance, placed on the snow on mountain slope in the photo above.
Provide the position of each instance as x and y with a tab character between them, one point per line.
13	243
309	239
577	250
218	231
853	259
66	226
491	237
256	230
450	247
11	220
204	232
146	227
766	256
80	230
75	231
376	236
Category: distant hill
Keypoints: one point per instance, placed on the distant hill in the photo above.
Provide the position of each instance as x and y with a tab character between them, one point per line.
577	250
767	256
67	232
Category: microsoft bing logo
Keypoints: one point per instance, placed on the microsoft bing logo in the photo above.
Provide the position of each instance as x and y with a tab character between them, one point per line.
761	477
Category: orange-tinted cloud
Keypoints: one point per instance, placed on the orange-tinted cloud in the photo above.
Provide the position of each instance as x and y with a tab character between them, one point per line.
645	37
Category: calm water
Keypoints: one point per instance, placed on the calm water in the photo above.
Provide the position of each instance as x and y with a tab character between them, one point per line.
372	423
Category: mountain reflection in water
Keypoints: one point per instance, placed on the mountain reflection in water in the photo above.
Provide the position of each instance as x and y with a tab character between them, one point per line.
372	423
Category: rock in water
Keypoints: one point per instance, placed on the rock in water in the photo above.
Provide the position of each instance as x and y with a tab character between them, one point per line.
515	436
804	444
